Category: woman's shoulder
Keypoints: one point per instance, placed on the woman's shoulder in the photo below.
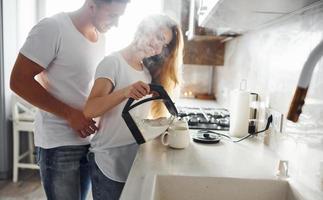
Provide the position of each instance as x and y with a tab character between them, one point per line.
112	58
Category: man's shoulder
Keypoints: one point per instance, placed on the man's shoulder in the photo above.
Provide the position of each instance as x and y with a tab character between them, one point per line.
59	17
54	21
50	23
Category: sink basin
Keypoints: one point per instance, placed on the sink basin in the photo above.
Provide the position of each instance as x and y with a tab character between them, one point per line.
171	187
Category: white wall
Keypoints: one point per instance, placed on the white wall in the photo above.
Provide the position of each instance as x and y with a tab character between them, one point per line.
271	60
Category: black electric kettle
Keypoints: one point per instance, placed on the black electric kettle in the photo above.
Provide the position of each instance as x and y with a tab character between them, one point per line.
144	129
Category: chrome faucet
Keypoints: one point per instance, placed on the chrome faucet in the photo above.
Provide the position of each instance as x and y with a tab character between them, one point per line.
283	169
298	101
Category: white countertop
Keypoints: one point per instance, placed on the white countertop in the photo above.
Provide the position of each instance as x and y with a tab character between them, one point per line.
247	159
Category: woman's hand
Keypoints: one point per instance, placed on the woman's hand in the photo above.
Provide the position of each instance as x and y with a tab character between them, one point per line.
137	90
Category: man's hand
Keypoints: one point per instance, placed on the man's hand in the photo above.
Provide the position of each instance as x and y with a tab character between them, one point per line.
81	124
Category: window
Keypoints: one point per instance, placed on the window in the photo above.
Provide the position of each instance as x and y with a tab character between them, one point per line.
121	36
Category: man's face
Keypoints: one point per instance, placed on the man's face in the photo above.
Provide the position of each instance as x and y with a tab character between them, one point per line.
106	15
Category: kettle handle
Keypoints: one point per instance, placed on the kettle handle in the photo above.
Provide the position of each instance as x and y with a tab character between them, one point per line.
162	95
153	87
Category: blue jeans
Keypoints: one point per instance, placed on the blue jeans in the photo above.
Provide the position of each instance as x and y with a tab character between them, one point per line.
103	188
64	172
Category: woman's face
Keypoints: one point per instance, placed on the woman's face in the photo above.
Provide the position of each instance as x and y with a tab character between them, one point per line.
152	43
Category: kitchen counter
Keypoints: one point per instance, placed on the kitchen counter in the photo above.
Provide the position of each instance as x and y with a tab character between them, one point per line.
247	159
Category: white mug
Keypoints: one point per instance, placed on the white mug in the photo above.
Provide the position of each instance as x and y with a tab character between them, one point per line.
179	123
176	137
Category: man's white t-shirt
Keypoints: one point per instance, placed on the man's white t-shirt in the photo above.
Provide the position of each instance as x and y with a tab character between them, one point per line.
69	60
113	145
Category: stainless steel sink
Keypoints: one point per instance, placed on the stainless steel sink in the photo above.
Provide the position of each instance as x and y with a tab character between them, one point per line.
171	187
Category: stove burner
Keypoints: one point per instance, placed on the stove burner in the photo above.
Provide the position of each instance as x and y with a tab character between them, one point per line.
205	118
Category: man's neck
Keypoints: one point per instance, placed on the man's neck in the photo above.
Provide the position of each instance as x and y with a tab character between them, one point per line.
84	25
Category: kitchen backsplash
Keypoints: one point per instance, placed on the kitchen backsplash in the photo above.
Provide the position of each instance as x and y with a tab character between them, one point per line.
196	79
271	60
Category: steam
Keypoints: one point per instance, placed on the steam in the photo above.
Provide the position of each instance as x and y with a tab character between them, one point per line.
150	26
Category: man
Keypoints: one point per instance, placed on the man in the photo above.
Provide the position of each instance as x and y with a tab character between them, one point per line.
54	71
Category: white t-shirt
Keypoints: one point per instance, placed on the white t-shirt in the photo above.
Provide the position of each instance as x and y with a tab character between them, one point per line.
69	60
113	145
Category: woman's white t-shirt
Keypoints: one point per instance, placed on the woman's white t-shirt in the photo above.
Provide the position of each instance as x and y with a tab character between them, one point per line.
113	145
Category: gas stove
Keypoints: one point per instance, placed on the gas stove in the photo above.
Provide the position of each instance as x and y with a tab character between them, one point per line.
205	118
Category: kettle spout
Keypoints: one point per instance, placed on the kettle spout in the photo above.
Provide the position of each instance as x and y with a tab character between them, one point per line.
298	101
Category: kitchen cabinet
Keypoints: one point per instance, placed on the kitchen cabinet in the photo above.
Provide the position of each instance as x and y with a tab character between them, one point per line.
201	45
239	16
204	8
204	53
196	32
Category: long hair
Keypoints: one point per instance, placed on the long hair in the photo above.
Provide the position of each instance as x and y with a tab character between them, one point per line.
165	67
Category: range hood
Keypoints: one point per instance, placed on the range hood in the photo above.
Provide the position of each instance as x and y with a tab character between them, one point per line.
240	16
196	32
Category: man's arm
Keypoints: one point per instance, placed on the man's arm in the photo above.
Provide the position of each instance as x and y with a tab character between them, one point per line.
22	82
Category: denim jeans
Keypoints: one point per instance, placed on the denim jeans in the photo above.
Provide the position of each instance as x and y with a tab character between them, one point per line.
103	188
64	172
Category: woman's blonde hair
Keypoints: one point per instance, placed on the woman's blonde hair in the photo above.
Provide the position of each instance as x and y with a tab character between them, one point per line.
164	68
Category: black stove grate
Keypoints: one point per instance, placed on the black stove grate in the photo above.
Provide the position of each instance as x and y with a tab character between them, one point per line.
206	118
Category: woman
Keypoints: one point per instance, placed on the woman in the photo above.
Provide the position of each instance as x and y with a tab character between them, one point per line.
153	56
